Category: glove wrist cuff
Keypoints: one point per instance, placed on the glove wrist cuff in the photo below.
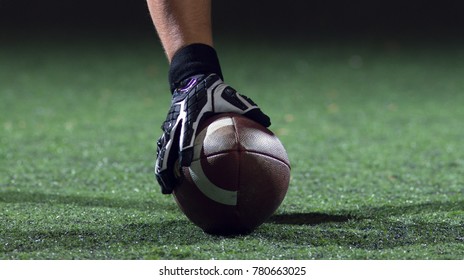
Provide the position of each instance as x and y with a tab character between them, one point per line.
192	60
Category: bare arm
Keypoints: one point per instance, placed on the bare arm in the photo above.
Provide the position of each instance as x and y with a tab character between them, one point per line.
181	22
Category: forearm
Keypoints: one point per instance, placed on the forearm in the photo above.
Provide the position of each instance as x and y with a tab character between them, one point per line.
181	22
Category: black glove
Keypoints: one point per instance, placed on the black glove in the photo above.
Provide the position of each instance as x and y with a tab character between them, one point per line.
195	98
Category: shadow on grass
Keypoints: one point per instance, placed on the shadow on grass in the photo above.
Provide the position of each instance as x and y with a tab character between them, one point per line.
81	200
372	228
94	237
307	218
365	213
98	241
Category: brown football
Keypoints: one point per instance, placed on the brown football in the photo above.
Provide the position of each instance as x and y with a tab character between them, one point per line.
238	177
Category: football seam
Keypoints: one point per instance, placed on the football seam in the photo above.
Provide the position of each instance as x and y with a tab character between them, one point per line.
239	150
243	151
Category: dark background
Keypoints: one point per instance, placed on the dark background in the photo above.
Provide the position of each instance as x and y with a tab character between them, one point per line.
297	19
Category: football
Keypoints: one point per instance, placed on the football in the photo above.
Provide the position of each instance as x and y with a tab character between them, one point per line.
238	178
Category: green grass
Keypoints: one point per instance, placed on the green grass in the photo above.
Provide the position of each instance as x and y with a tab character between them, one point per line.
374	133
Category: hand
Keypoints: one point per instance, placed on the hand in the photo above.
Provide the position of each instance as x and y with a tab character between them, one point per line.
197	97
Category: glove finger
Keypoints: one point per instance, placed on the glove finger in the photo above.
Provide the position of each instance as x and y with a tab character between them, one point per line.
168	153
239	103
258	116
186	151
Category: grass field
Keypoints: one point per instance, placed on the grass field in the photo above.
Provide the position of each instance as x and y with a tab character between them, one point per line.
374	133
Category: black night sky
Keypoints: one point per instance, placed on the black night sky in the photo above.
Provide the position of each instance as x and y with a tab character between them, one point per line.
299	19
